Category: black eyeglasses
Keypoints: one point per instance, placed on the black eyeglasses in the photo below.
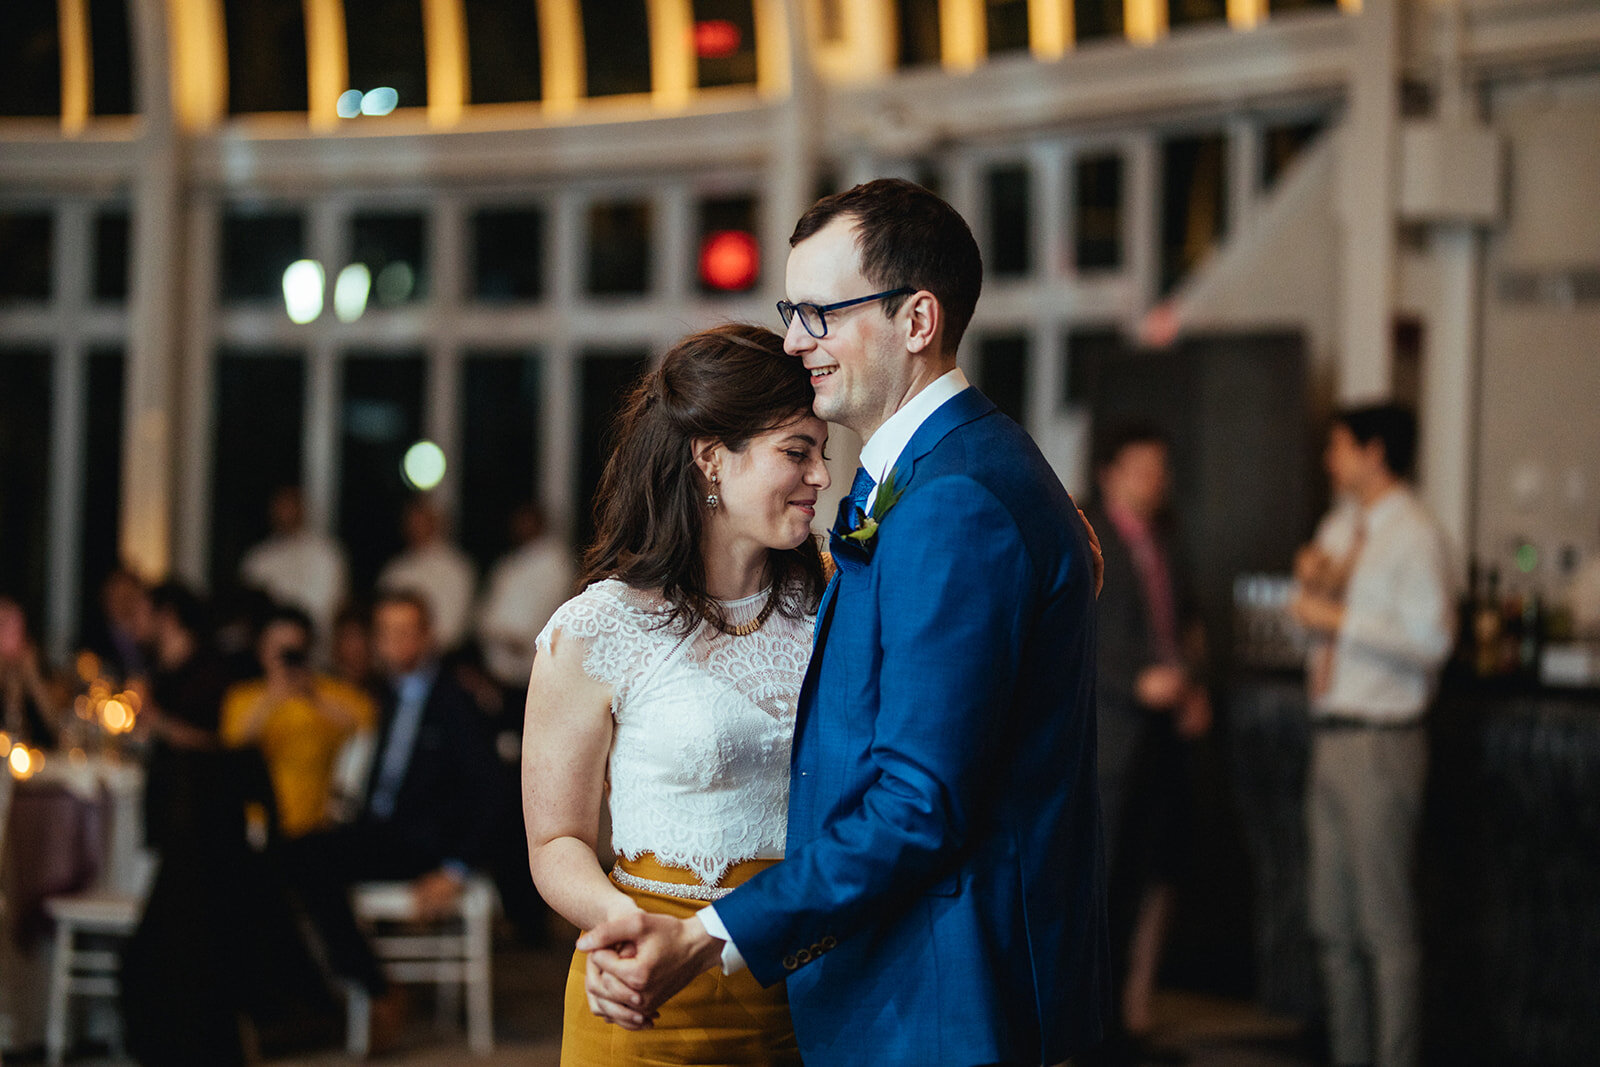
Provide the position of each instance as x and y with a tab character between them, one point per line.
814	316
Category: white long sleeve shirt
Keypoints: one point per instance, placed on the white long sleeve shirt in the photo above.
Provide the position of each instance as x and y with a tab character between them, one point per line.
1399	620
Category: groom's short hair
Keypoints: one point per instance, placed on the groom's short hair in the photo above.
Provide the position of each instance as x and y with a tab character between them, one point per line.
908	237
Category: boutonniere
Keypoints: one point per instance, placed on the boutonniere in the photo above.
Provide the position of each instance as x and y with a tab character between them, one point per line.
888	494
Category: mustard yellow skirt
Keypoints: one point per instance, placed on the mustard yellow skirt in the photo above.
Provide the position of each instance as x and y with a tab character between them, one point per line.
716	1021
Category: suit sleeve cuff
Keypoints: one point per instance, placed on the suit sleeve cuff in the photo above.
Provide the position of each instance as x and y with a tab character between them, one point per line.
732	960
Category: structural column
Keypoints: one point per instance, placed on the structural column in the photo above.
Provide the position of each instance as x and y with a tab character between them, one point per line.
1367	183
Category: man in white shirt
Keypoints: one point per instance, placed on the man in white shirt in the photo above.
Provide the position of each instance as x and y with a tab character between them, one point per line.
524	589
296	566
1375	594
436	569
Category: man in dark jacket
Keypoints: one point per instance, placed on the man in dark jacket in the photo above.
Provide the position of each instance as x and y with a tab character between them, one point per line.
429	809
1150	702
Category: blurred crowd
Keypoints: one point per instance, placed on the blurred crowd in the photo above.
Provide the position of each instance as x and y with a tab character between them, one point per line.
299	737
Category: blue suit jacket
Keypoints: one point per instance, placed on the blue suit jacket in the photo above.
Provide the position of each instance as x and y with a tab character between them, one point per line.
943	896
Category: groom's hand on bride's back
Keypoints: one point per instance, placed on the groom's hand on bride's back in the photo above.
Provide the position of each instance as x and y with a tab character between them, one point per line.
639	961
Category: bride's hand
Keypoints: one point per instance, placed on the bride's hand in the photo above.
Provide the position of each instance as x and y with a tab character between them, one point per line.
667	954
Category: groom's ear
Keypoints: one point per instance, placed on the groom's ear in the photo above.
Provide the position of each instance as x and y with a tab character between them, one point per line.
924	322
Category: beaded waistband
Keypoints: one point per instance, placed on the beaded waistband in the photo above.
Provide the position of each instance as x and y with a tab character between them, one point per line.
681	890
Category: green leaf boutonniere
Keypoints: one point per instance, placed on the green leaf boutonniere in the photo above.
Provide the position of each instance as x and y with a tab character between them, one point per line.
888	495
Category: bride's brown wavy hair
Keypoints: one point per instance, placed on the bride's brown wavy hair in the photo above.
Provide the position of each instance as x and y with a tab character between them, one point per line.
728	384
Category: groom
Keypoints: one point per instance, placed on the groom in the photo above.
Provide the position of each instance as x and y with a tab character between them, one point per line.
942	896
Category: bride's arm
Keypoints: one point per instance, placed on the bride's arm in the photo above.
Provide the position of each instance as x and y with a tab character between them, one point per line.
565	741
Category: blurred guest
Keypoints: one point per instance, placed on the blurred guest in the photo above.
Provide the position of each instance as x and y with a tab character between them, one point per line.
429	811
298	718
29	707
1375	595
238	616
1150	704
121	632
182	705
436	568
352	647
296	565
524	589
182	974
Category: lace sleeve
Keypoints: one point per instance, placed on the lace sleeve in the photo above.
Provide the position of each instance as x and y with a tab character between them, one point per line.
614	631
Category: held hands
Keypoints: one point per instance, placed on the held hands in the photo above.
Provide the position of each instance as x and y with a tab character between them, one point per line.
640	960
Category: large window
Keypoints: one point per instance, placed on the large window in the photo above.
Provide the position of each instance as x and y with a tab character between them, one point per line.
728	256
616	47
504	51
260	400
1097	212
25	377
1003	373
919	32
619	248
1009	252
605	377
508	254
1096	19
258	244
101	515
266	55
724	42
27	241
382	418
110	56
500	461
1281	145
1194	200
111	255
1007	25
30	59
387	49
393	246
1194	12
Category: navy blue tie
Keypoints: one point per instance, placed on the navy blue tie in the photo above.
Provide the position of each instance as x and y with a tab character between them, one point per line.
860	489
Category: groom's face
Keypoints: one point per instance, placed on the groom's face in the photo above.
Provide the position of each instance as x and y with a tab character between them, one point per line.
858	368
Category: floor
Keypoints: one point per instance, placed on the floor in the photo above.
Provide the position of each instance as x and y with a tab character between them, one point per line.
1210	1031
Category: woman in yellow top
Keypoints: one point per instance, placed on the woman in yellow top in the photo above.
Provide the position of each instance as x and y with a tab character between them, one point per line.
299	719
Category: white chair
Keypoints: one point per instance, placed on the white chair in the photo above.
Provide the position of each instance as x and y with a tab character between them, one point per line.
84	971
453	954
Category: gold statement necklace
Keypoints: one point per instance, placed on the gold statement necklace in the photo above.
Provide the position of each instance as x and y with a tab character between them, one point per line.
745	629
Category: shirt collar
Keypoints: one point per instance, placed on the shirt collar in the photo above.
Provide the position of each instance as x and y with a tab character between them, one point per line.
414	686
878	455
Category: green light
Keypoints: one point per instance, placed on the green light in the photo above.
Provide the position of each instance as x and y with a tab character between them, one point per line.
424	465
1527	558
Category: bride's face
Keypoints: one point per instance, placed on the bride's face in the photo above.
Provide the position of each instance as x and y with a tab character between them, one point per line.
769	490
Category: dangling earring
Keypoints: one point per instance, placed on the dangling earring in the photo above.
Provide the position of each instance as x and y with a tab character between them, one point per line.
713	501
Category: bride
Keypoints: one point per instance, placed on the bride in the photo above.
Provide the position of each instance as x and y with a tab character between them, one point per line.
674	677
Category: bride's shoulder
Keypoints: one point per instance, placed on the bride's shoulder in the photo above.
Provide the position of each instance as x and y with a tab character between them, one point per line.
607	607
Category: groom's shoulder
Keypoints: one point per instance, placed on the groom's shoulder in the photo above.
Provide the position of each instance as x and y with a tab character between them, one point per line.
996	453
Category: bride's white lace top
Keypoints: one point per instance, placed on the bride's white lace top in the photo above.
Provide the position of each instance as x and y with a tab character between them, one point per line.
699	762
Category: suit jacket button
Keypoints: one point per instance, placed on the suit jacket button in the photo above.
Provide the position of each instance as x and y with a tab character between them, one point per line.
790	963
829	942
804	955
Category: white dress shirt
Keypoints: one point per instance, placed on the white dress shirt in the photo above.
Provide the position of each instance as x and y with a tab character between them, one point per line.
305	570
878	457
1399	618
445	578
524	589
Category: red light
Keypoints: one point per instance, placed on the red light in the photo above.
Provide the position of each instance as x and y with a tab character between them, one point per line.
730	260
716	38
